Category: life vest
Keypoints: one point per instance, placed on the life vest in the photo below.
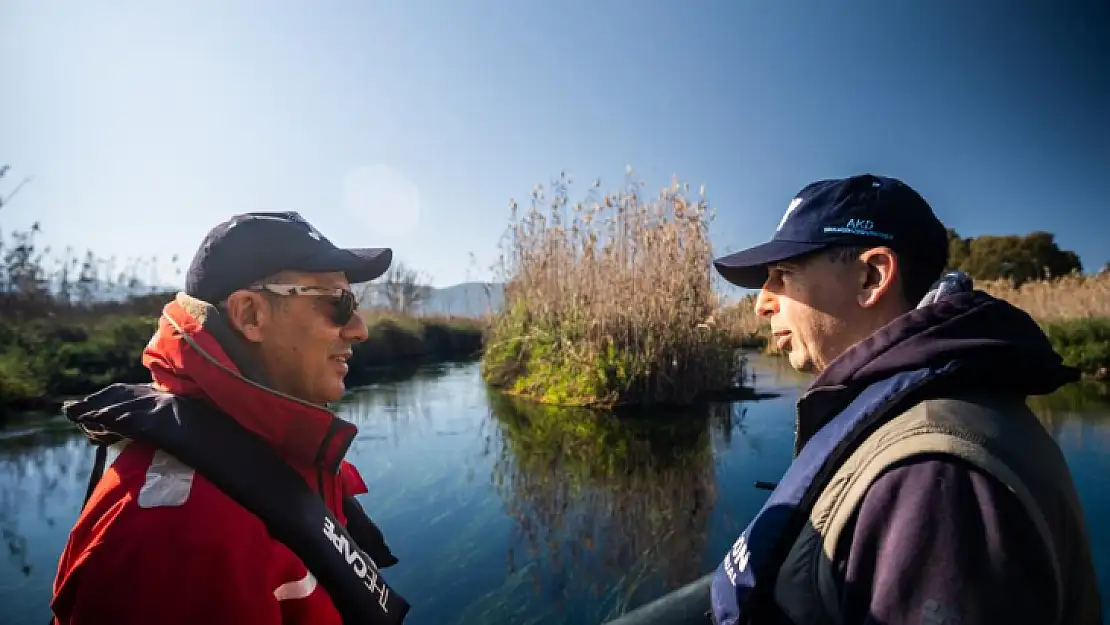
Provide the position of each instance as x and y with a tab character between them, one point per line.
345	560
743	584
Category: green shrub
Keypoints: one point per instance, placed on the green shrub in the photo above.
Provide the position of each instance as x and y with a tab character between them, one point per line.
47	358
19	385
396	338
1082	342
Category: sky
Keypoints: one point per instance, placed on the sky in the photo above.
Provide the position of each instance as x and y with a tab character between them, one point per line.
412	124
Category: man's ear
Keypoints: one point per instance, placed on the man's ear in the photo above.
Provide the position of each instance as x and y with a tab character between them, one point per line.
880	270
248	313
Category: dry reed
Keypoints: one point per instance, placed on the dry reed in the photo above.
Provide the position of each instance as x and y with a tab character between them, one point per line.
606	301
1068	297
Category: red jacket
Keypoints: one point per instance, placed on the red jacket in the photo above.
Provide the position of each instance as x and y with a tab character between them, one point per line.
158	543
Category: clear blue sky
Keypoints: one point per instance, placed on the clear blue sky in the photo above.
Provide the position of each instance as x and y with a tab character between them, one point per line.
145	123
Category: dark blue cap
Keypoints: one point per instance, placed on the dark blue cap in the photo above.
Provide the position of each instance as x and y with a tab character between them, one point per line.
863	210
251	246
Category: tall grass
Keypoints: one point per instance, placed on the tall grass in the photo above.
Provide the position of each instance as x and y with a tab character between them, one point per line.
743	326
606	301
1068	297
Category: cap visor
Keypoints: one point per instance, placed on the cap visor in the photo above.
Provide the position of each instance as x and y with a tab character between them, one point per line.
359	264
748	268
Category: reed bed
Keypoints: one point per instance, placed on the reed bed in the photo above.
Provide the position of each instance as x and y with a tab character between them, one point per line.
1068	297
607	301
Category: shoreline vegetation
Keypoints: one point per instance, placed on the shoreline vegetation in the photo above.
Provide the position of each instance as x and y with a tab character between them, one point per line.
45	361
608	302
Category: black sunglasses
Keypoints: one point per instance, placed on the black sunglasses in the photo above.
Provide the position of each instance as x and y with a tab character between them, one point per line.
343	302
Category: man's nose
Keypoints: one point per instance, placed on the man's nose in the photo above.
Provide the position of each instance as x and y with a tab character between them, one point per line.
765	303
356	331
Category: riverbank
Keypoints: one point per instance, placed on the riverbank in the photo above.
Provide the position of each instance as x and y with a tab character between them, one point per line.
1073	311
45	360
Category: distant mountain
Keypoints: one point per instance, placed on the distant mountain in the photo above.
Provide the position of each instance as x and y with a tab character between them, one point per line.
469	299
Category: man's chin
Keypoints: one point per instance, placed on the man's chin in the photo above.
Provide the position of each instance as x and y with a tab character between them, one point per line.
336	392
799	362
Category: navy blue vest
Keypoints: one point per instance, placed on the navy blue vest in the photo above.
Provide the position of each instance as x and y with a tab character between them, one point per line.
750	568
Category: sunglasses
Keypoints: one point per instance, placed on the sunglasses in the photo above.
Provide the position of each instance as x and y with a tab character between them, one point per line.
343	302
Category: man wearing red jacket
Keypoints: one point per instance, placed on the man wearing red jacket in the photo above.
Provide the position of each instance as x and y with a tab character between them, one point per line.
261	337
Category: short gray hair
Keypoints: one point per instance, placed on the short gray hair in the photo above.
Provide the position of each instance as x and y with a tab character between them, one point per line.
916	278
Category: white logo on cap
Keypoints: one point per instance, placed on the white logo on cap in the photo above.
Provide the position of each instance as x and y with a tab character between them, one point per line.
862	227
795	203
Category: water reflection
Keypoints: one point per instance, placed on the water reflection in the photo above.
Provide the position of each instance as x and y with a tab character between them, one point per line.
597	496
42	468
392	404
1076	414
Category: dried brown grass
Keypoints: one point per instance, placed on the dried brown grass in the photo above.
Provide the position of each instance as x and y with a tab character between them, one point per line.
1069	297
606	301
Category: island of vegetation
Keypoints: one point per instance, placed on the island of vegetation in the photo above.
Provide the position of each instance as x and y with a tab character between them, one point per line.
607	301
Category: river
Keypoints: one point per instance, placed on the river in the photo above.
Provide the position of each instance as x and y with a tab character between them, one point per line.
498	522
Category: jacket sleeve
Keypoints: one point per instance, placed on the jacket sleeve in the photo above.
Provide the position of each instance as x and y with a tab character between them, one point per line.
938	541
199	577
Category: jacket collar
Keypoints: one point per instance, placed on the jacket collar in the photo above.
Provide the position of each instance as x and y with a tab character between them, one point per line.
194	353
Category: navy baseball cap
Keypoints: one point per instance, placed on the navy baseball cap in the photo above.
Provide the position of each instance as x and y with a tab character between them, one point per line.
864	210
251	246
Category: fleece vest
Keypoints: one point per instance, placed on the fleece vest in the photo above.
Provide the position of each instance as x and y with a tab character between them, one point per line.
783	558
1000	436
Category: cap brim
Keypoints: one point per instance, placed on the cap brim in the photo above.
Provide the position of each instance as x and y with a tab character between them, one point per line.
358	264
748	268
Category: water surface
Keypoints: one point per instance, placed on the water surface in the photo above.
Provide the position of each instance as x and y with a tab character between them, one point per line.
501	514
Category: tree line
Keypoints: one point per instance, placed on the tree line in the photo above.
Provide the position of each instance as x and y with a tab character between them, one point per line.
1020	258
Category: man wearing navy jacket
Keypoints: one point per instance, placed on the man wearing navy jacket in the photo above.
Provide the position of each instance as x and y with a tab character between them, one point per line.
923	490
